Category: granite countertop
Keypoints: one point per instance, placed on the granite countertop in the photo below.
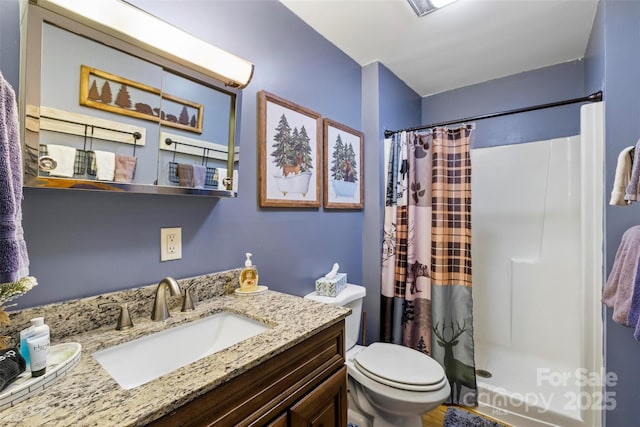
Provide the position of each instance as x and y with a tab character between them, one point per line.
88	396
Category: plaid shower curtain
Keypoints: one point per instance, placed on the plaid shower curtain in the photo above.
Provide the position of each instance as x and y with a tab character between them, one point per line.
426	261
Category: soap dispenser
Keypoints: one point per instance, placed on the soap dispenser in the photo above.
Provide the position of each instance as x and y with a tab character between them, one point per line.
249	276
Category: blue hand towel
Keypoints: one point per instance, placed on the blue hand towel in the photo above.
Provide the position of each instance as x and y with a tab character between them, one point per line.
14	261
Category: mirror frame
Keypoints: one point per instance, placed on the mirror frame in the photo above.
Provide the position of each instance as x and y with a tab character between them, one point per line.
32	21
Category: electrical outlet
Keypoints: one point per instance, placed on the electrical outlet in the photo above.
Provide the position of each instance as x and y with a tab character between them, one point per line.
170	243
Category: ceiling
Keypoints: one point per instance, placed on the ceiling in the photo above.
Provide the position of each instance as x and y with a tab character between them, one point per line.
467	42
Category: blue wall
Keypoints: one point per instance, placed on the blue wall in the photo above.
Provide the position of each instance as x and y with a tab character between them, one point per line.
388	103
549	84
594	56
9	41
84	243
614	38
399	105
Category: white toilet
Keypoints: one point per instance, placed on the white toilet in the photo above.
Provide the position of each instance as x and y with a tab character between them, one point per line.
389	385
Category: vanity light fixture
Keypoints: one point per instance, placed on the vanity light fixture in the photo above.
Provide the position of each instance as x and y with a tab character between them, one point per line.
423	7
131	24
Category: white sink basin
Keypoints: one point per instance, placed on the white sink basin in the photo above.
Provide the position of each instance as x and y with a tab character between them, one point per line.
144	359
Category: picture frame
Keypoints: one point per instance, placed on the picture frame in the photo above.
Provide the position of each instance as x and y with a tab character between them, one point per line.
343	166
109	92
289	153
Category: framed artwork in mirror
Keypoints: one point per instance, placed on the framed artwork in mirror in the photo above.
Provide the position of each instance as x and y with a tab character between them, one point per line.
109	92
289	151
343	166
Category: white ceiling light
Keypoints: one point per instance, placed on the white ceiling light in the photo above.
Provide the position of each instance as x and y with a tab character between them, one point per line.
133	25
422	7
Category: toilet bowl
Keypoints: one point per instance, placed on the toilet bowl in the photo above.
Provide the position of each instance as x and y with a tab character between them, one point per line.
388	384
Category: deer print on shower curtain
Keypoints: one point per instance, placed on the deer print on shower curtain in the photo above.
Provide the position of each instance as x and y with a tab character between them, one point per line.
459	374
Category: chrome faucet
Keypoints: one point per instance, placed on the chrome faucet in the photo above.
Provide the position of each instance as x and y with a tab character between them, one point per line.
160	308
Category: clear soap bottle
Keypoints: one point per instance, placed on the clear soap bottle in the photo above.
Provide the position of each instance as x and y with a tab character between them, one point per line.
249	276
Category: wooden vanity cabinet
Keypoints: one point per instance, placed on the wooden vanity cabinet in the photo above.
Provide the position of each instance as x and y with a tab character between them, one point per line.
304	386
324	405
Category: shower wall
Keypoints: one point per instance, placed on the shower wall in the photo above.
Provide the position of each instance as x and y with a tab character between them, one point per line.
537	245
526	242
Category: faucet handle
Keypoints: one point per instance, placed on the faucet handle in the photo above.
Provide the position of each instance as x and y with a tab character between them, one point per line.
124	320
187	300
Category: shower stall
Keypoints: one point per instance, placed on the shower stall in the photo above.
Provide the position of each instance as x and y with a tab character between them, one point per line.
537	271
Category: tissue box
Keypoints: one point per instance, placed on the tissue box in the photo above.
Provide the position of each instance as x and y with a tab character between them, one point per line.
331	287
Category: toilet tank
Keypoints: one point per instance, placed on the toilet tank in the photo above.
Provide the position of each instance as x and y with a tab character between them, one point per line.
351	297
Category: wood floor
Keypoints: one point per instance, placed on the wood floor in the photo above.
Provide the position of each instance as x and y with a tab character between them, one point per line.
435	418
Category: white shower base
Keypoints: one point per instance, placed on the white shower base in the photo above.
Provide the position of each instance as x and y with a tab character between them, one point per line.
537	265
526	391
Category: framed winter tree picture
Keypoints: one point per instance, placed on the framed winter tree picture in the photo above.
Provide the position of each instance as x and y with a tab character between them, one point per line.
105	91
343	166
288	153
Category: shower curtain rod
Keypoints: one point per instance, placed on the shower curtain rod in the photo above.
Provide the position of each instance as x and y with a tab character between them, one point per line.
594	97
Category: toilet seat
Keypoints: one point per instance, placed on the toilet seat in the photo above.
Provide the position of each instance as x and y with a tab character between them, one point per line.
400	367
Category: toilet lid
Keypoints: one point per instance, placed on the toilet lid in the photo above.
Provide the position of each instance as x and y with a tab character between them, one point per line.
400	367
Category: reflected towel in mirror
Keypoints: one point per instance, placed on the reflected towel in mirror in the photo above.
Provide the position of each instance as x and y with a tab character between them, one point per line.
105	165
199	176
125	168
64	157
185	175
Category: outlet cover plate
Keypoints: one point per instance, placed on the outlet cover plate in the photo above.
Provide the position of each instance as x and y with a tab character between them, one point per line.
170	243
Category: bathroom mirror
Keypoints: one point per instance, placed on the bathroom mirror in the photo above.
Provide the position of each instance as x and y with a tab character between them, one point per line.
102	114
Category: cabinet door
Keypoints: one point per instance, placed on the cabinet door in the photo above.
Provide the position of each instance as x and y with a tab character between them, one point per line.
325	406
281	421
